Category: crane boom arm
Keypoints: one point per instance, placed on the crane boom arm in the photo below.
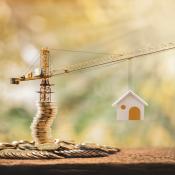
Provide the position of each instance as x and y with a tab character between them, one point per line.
112	59
90	63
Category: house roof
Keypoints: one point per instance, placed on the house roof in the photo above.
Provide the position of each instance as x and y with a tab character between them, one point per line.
130	92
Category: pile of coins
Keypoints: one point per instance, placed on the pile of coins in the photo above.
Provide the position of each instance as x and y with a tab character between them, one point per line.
65	149
41	125
44	146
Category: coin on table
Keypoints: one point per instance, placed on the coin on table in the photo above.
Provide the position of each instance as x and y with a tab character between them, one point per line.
2	154
48	146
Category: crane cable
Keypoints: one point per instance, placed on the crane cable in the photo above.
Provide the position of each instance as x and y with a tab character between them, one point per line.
106	53
81	51
34	62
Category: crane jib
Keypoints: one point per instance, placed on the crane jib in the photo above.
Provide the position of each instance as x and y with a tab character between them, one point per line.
105	61
113	59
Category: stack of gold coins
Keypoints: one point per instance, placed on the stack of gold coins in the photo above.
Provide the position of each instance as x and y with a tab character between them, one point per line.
41	125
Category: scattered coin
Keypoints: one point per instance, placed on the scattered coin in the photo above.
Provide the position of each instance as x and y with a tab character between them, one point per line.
6	145
48	146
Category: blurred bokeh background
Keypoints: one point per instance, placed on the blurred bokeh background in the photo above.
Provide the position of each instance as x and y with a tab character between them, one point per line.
84	98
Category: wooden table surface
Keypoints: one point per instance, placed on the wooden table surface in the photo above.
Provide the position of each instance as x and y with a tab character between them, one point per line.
127	161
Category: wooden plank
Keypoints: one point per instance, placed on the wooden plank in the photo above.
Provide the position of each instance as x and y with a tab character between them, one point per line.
128	161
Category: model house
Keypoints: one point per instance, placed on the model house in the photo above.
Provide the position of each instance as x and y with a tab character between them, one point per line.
130	107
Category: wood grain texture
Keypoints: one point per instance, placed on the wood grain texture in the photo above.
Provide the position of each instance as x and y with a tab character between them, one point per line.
128	161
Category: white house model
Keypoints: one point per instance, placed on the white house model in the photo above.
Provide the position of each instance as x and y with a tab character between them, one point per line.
130	107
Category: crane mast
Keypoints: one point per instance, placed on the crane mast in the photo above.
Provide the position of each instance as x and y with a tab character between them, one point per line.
45	86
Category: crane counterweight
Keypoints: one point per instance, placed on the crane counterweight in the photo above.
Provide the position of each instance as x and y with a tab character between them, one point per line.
14	80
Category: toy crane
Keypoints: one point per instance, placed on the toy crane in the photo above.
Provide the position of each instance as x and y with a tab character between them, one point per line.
46	73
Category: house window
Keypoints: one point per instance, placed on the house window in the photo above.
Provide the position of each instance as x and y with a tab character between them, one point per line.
123	107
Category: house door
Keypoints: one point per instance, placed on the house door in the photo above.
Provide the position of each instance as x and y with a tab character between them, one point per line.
134	113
